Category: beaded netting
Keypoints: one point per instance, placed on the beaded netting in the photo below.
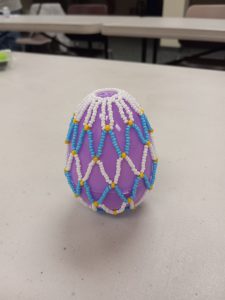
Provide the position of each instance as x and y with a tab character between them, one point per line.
111	158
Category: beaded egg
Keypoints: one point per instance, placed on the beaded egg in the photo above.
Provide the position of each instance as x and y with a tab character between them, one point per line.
111	158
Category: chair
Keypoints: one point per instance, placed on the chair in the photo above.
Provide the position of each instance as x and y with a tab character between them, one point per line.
46	9
39	40
212	11
33	41
207	12
89	9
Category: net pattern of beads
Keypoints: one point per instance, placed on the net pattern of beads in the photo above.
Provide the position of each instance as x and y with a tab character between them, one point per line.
91	104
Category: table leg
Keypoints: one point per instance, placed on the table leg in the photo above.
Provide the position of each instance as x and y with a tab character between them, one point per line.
106	47
143	49
155	50
89	44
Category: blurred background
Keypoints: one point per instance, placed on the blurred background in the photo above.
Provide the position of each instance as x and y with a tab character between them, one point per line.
170	51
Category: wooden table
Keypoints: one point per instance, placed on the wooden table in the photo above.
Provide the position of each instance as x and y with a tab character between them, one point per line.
51	247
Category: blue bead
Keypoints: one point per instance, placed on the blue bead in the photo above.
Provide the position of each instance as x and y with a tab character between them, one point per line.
88	192
104	194
140	134
147	183
69	179
74	137
70	130
114	142
120	194
134	189
80	140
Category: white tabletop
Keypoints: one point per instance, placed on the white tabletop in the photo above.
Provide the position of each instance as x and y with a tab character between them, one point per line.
51	247
163	27
42	23
130	26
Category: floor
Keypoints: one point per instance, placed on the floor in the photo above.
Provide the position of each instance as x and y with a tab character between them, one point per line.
127	49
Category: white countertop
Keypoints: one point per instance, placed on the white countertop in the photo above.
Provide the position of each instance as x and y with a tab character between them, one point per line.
51	247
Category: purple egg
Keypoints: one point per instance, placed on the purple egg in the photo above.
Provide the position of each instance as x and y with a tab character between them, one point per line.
111	158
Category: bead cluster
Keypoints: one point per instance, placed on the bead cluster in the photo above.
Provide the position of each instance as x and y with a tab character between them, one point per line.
90	105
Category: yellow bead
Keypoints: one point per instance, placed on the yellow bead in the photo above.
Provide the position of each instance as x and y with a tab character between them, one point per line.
130	200
107	128
155	160
95	203
148	143
86	127
65	170
81	182
151	187
74	152
151	131
141	175
67	142
95	159
141	111
113	185
115	212
130	122
75	121
123	155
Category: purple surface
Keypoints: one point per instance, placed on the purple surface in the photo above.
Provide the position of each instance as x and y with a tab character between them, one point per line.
109	156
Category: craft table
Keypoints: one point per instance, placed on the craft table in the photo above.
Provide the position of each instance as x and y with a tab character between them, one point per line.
51	247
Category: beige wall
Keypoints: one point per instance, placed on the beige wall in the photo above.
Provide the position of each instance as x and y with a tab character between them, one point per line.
173	8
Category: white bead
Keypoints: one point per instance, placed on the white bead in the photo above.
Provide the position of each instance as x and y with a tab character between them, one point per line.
127	109
88	171
120	108
78	167
103	114
89	113
131	164
94	113
144	158
111	120
118	170
140	201
103	172
69	162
